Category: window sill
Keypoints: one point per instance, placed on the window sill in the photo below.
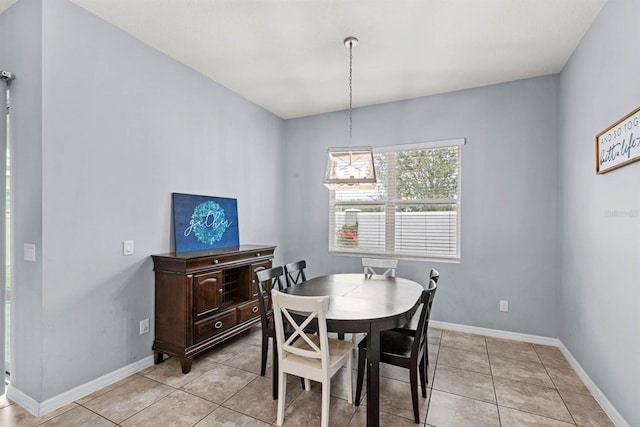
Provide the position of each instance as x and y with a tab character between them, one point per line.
394	256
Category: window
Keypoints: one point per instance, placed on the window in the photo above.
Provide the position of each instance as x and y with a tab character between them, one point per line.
414	211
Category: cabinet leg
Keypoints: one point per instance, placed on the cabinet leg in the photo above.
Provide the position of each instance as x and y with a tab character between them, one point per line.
158	357
186	365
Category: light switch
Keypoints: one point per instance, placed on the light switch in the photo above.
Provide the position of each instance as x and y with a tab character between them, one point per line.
30	252
127	247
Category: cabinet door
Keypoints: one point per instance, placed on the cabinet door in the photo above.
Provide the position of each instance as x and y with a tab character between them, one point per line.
255	267
206	293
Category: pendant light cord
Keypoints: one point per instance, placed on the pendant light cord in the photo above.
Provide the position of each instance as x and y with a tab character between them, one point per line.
350	90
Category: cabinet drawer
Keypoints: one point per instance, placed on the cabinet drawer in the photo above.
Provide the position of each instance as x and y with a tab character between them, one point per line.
214	325
221	260
248	311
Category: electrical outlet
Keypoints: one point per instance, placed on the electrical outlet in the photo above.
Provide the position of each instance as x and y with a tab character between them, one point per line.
504	305
144	326
30	252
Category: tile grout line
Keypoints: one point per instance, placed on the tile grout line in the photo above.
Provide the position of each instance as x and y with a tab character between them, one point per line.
493	383
557	391
234	411
100	415
134	414
435	368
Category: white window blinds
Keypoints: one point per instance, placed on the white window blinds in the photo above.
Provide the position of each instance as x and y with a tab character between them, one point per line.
414	211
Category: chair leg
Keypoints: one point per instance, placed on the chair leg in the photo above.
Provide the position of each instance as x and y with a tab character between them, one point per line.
424	379
282	392
326	399
350	379
413	379
354	341
265	350
274	373
361	360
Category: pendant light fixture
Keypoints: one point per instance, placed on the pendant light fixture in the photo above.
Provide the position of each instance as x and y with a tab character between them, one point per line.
350	167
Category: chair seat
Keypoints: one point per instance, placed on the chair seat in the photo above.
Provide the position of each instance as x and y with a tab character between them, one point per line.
392	344
337	349
312	368
411	327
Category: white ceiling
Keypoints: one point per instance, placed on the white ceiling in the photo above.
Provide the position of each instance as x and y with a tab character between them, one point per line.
288	55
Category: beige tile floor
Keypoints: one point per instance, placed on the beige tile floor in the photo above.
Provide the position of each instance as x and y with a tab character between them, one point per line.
473	381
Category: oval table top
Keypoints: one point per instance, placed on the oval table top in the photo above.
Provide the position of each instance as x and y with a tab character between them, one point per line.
358	300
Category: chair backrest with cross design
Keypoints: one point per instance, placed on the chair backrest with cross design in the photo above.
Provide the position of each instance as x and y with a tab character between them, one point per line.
383	266
294	272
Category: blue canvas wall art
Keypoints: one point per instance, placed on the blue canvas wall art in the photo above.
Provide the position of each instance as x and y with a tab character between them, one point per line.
204	222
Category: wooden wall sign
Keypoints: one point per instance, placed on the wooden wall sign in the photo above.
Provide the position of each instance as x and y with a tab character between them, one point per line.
204	222
619	144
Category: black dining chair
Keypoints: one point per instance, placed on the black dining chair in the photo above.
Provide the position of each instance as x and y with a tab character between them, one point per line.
410	328
268	279
405	351
294	272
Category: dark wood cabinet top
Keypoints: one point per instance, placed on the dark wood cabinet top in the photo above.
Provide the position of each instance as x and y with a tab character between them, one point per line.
213	252
199	261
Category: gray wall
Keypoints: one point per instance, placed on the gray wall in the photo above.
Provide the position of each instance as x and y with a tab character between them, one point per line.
600	308
509	197
21	54
123	126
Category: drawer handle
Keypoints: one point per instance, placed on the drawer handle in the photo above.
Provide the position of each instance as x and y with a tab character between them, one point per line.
215	261
220	290
253	281
258	254
255	309
218	324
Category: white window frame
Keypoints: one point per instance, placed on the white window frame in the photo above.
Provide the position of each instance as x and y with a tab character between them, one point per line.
390	205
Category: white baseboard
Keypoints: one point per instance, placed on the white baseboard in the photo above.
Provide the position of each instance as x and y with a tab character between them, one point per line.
43	408
606	405
534	339
23	400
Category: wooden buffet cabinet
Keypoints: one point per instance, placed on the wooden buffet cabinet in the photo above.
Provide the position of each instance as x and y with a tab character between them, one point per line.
203	298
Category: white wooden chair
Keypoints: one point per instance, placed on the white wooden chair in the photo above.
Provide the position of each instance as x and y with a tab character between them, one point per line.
376	265
315	357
